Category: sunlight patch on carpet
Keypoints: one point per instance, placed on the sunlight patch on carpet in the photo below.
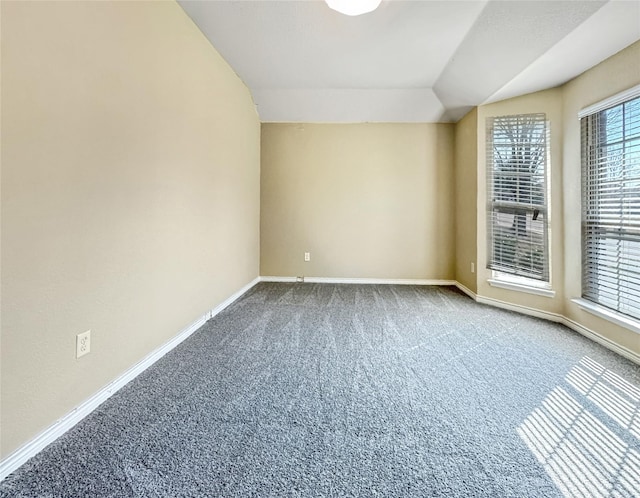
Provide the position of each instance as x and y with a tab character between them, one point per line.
576	433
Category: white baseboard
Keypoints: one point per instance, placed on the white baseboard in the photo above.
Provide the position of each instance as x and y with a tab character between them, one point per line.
555	317
382	281
466	290
607	343
38	443
278	279
525	310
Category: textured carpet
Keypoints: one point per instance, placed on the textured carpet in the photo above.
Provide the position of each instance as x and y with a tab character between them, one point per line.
359	390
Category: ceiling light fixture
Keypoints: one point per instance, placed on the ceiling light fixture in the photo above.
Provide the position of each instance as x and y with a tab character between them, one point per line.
353	7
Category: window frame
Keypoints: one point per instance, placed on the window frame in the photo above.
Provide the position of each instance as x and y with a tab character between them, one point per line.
537	166
593	141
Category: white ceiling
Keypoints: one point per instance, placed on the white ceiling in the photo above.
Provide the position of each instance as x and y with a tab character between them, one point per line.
410	60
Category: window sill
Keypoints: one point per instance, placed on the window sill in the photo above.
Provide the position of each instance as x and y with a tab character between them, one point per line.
607	314
529	289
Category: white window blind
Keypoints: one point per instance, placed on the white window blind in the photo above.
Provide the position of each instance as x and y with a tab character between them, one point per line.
517	211
611	207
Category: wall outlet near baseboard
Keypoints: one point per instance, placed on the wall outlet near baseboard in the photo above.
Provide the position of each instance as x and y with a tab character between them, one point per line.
307	256
473	267
83	343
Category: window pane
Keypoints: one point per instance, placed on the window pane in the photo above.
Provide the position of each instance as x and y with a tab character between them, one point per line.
632	118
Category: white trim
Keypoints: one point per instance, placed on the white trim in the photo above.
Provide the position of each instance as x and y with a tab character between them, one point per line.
278	279
382	281
607	314
525	310
58	428
607	343
467	291
612	101
555	317
529	289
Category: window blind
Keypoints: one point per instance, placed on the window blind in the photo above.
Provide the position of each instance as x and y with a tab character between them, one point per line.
517	211
610	140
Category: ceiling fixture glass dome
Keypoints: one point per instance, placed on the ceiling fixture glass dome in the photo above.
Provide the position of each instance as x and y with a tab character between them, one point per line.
353	7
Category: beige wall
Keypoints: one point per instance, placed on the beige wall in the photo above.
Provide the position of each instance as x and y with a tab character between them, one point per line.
367	200
130	194
466	171
549	102
612	76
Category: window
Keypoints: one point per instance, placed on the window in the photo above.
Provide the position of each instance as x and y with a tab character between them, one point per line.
517	210
610	139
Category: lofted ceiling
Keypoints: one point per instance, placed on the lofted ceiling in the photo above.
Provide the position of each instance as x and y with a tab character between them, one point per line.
409	60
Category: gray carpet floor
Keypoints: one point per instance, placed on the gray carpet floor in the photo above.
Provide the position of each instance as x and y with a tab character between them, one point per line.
359	390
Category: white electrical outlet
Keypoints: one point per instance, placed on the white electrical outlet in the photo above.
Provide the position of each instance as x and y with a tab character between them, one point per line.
307	256
473	267
83	343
